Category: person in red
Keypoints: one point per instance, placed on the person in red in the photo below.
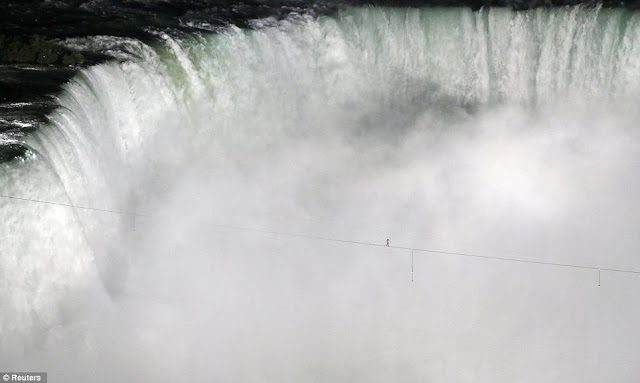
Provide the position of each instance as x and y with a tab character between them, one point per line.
387	241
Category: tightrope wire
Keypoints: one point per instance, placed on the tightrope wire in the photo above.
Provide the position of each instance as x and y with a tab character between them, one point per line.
339	240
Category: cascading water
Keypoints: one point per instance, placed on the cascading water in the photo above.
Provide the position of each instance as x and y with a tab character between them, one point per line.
490	132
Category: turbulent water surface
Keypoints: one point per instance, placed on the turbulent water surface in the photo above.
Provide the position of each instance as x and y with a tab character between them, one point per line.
491	132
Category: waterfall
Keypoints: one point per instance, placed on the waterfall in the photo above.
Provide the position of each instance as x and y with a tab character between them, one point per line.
493	132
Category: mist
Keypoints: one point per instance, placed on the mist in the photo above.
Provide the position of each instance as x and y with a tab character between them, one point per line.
422	126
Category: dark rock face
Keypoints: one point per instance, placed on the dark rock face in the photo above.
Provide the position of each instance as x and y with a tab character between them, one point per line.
34	65
36	49
26	96
11	151
18	81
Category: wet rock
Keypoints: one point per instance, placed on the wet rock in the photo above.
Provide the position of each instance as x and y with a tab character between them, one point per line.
36	49
11	151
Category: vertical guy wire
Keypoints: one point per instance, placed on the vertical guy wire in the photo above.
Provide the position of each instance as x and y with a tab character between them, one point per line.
598	277
411	265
